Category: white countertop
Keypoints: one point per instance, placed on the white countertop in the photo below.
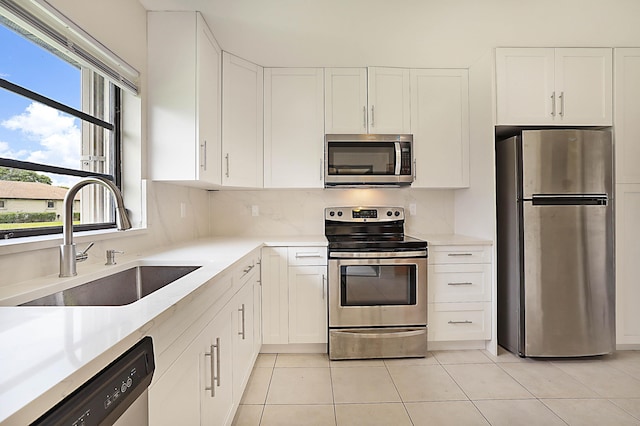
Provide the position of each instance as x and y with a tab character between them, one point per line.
47	352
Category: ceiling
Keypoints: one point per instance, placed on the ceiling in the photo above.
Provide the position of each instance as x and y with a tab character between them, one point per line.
405	33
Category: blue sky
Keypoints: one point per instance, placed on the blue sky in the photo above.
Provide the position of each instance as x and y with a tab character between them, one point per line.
28	130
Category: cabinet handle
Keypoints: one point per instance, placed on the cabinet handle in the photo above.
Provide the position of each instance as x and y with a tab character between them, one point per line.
461	322
459	254
203	163
247	270
226	157
459	283
553	104
242	332
561	104
308	254
324	287
364	118
215	367
372	116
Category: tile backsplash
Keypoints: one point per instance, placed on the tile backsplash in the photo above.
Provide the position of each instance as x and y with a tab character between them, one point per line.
301	212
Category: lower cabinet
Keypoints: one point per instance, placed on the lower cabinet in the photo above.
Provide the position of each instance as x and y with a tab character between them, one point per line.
198	387
459	283
205	383
294	291
627	265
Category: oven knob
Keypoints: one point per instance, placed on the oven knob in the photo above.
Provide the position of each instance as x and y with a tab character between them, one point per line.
332	213
397	213
389	213
339	213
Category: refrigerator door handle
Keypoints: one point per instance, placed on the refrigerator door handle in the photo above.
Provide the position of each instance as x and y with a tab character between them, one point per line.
569	200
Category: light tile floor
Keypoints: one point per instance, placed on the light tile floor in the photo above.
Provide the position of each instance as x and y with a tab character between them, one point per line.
445	388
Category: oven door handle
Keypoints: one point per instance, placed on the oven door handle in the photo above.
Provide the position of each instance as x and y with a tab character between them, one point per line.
380	334
377	254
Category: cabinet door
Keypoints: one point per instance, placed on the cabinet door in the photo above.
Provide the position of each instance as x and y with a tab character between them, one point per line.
345	100
242	122
209	78
627	265
440	124
308	304
275	296
584	86
243	339
388	100
525	86
216	363
293	128
627	107
184	99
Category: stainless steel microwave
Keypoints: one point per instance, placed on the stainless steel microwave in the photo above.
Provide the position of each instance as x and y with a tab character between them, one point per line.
368	159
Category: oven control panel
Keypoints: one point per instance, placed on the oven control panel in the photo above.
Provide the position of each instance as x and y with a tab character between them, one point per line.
364	214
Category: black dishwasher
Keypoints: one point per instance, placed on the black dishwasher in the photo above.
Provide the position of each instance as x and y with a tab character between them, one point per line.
108	394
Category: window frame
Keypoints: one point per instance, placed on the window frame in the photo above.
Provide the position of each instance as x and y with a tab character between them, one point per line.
114	147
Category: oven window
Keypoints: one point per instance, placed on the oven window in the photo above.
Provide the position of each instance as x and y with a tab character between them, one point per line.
361	158
378	285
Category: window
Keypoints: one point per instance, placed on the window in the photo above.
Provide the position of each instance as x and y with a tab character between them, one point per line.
2	204
60	106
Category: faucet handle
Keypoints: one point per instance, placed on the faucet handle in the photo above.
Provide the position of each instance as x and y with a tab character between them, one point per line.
82	256
111	256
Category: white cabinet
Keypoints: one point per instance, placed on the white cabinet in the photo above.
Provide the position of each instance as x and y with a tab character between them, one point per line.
197	388
627	111
184	99
440	127
627	158
459	293
294	295
372	100
242	123
293	128
627	265
547	86
203	374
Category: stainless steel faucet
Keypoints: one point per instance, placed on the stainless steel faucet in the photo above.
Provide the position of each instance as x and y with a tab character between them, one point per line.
68	256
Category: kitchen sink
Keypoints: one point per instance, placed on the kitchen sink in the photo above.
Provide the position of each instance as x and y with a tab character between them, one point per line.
120	288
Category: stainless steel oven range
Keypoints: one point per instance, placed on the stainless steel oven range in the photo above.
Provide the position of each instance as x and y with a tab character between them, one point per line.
377	285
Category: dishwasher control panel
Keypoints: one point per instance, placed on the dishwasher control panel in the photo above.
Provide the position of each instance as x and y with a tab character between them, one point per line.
108	394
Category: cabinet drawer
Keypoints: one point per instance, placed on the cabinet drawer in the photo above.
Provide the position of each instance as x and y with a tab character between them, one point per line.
460	283
459	254
245	269
459	321
301	256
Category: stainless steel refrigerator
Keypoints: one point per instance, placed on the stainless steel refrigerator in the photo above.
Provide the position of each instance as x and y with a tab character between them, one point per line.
556	289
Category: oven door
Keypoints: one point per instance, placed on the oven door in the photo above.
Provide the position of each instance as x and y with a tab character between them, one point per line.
378	292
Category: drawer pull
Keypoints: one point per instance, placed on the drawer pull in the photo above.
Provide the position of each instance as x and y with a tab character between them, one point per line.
247	270
461	322
459	283
459	254
303	255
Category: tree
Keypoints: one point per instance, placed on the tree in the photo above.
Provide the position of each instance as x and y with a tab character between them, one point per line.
7	173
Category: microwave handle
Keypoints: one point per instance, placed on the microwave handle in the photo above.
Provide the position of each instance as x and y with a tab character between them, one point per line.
414	169
398	158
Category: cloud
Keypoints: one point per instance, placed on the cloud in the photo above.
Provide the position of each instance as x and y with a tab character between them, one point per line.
58	136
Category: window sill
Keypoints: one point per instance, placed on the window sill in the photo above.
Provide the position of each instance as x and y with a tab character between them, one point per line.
20	245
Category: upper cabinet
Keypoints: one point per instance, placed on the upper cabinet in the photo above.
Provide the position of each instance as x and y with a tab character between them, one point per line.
293	128
547	86
372	100
627	107
184	99
242	123
440	125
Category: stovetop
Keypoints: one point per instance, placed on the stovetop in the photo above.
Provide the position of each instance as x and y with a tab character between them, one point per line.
368	229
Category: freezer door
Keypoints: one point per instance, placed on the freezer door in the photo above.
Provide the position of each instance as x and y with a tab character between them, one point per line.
566	162
568	286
